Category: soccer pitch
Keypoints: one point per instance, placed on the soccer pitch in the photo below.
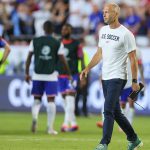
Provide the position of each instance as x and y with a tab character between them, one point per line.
15	134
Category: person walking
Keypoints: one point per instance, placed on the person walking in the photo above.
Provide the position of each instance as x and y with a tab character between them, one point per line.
116	44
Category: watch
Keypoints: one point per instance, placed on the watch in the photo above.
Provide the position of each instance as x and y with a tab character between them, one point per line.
134	80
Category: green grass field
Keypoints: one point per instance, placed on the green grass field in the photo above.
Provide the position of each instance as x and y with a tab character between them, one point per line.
15	134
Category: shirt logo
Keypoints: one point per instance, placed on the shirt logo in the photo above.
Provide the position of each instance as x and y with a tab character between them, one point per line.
45	53
110	37
46	50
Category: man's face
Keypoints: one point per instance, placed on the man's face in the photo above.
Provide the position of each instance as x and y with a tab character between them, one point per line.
65	32
109	14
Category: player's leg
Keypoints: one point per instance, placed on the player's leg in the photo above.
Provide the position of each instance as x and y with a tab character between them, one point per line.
130	113
78	94
70	99
111	95
37	91
100	123
51	92
62	86
123	101
123	122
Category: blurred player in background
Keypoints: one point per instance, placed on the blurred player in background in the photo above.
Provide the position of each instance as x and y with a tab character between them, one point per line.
5	45
73	52
82	88
46	51
129	111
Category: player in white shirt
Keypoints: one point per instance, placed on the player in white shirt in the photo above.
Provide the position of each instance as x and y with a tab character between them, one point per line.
116	44
46	51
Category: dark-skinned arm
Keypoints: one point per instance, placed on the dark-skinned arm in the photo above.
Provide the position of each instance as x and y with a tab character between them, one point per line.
27	66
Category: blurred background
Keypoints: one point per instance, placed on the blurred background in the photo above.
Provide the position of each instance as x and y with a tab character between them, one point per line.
21	20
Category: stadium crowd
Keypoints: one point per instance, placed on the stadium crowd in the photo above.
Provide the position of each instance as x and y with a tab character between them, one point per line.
21	20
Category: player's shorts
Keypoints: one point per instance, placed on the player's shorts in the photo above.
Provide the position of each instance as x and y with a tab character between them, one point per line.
64	84
125	94
49	87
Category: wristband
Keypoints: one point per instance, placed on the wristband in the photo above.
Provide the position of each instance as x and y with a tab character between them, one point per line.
134	80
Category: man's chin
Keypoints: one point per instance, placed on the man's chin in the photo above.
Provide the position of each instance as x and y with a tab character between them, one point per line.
106	22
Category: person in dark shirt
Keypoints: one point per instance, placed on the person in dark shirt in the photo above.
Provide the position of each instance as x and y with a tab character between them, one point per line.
73	52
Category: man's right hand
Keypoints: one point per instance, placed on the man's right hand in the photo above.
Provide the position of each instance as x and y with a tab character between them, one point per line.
84	73
28	78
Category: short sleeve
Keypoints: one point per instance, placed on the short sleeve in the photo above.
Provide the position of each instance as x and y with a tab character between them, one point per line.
99	40
31	48
61	49
129	42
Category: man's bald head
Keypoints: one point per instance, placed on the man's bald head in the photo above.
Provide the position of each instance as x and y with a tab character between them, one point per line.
111	13
113	7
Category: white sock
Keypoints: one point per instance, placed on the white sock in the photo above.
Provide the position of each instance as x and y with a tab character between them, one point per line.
130	115
66	113
71	109
51	113
35	109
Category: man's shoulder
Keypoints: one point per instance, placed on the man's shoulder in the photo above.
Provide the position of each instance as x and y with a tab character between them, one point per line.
125	30
104	27
46	38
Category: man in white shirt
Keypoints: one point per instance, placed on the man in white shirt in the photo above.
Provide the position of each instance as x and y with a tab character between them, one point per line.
116	44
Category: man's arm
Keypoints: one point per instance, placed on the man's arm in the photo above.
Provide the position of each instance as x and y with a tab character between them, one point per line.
95	60
6	53
134	69
28	62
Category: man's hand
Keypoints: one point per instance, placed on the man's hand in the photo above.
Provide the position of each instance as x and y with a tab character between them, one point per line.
135	86
84	73
28	78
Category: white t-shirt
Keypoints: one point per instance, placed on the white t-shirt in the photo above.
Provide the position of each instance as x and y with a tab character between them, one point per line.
45	77
115	44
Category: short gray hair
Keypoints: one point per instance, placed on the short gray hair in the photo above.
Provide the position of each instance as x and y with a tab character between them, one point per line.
115	7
